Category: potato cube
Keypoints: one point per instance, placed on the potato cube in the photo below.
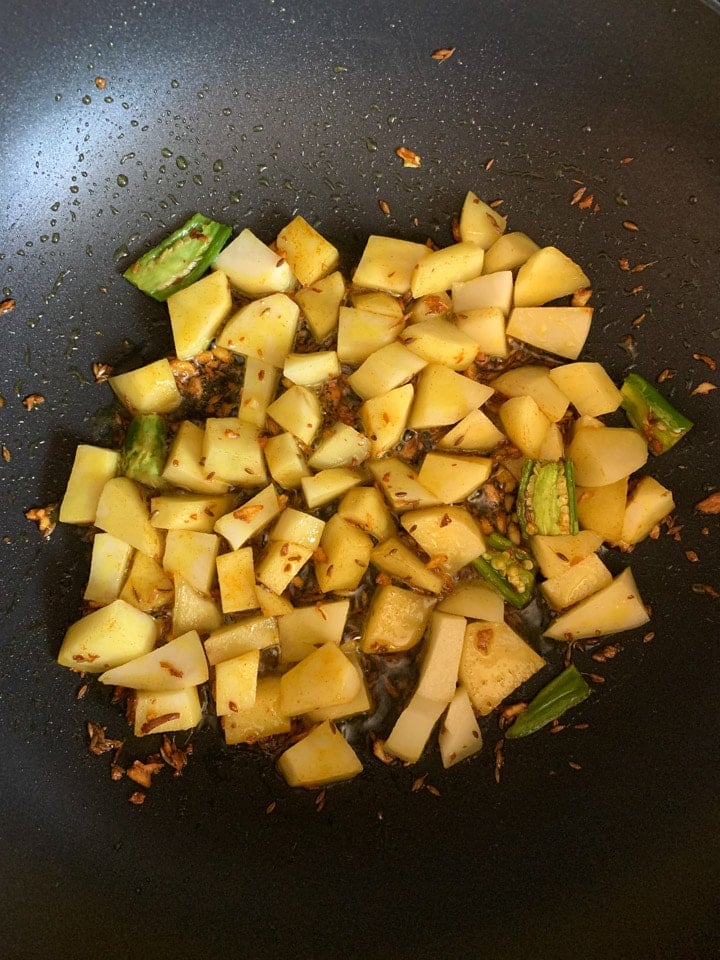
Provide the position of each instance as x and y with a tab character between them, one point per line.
192	555
443	396
525	425
328	485
324	756
272	604
486	326
324	678
232	452
588	387
173	666
286	464
441	657
341	446
298	527
378	302
559	330
107	637
603	455
320	304
489	290
649	503
362	332
281	561
197	312
236	683
185	465
147	587
602	509
109	566
474	432
494	662
305	628
310	255
263	719
365	507
447	266
149	389
556	554
449	535
453	478
312	369
615	608
577	582
396	620
193	610
250	518
264	329
479	223
91	469
474	600
236	579
253	268
384	418
547	275
259	385
360	703
430	306
233	639
388	264
409	737
343	556
394	558
385	369
440	341
123	510
534	381
165	711
509	252
399	483
298	411
188	511
553	446
459	735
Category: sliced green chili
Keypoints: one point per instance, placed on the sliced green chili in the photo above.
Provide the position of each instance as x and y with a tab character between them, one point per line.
546	501
143	453
180	259
507	568
565	691
650	413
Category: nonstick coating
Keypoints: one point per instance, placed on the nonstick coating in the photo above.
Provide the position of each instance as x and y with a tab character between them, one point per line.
251	112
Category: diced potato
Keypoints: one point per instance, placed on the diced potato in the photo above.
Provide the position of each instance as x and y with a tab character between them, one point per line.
320	304
305	628
556	554
341	446
263	719
559	330
343	556
360	703
441	657
378	302
400	485
325	678
197	312
185	466
253	268
459	736
486	326
250	518
602	509
509	252
449	535
576	583
547	275
385	369
298	527
430	306
147	586
165	711
362	332
494	662
479	222
272	604
107	637
109	566
388	264
394	558
173	666
649	503
310	255
236	579
236	683
384	418
281	561
188	511
396	620
312	369
232	452
264	329
447	266
193	610
192	555
330	484
409	737
259	385
440	341
443	397
123	511
149	389
614	609
286	464
489	290
453	478
322	757
534	381
298	411
588	387
474	600
474	432
525	425
365	507
602	455
233	639
91	469
553	446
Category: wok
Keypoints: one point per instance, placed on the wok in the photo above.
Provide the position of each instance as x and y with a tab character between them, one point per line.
251	112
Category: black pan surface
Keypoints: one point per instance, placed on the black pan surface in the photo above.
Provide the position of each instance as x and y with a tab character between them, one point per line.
252	112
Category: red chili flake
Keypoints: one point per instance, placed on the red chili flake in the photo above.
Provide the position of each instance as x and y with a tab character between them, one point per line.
408	157
6	306
710	504
33	400
443	53
703	388
624	263
586	202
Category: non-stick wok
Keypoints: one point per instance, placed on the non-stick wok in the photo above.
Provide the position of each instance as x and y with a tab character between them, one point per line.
117	122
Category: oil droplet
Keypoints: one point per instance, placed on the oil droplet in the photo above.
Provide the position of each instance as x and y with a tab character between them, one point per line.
166	152
55	238
108	99
87	99
58	97
258	128
89	250
121	253
127	156
56	206
371	144
236	196
174	84
122	180
217	166
391	119
74	188
227	111
197	180
181	163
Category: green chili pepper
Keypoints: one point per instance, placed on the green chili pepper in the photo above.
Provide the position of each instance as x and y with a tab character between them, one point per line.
650	413
181	259
507	568
546	501
143	453
566	690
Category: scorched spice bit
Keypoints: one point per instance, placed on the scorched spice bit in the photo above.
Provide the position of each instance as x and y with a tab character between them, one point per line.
710	504
7	305
443	53
704	358
33	400
99	743
702	388
101	371
408	157
44	517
